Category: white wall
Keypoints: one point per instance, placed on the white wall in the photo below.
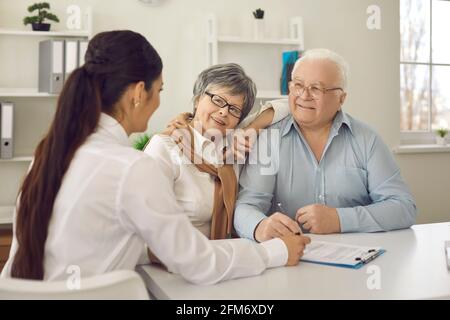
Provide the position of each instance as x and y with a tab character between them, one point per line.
177	30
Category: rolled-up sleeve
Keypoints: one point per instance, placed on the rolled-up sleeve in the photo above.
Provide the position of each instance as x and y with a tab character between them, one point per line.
280	108
280	111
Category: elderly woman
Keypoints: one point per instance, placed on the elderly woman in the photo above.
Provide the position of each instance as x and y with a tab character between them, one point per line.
223	98
334	173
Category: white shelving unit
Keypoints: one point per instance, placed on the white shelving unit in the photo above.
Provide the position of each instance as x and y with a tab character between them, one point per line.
24	93
30	121
33	92
17	159
46	34
287	42
261	58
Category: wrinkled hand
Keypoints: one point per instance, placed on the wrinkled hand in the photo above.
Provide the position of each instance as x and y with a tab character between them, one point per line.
277	225
319	219
296	246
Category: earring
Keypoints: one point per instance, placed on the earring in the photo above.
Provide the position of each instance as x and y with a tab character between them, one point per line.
137	104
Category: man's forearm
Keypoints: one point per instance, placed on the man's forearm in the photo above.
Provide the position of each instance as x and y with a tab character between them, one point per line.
388	215
246	219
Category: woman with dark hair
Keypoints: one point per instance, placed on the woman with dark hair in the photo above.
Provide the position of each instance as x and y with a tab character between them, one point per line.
86	200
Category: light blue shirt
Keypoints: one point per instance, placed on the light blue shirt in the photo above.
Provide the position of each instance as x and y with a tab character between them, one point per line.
357	175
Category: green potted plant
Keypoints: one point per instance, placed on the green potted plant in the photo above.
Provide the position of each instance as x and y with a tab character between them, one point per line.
141	141
37	21
440	136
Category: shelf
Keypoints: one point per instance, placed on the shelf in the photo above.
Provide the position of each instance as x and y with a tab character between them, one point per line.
18	159
421	148
288	42
6	215
25	93
270	95
15	32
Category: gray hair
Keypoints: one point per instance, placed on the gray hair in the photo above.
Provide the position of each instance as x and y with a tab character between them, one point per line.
230	76
326	54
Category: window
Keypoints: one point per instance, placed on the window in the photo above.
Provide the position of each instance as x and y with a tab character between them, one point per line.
424	68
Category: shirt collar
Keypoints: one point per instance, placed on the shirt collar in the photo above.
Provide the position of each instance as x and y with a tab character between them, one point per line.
289	123
112	127
205	148
200	142
340	119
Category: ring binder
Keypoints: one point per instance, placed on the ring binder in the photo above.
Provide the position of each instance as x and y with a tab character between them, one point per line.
82	48
70	57
51	66
6	133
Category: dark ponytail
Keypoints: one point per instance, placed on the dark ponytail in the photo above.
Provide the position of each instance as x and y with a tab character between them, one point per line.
113	61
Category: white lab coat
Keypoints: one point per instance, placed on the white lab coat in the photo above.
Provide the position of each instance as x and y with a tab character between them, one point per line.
114	200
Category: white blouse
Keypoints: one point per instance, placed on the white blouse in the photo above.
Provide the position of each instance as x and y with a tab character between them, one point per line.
114	200
194	190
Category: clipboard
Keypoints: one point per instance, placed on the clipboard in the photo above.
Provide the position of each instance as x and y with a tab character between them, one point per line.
340	255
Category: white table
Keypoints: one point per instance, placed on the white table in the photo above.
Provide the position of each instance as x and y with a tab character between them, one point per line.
413	267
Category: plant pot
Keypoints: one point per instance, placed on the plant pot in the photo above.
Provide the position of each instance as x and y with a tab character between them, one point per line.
258	28
441	141
41	26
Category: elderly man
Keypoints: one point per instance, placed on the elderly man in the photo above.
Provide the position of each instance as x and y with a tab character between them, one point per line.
334	173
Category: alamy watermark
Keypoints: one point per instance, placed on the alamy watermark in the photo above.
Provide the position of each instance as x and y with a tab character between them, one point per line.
374	17
74	280
235	146
374	280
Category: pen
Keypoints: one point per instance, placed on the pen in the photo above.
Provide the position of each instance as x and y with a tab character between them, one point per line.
280	207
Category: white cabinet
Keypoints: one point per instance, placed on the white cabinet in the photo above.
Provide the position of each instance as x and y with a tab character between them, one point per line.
261	58
33	110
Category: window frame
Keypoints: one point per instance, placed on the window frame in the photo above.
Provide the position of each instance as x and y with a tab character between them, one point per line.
422	137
